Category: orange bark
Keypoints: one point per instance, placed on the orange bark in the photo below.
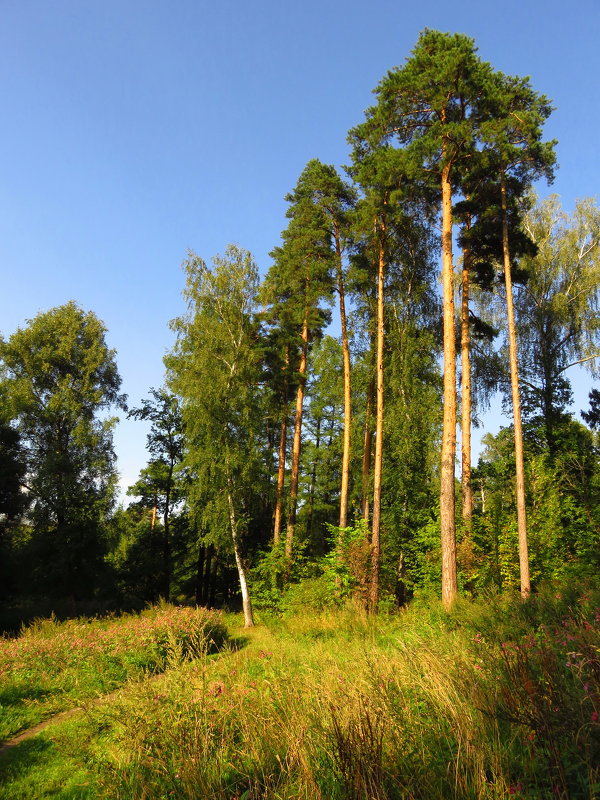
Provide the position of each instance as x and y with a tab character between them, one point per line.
447	522
295	469
377	467
516	403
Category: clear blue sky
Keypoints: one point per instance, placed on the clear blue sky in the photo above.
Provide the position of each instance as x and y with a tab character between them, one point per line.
134	130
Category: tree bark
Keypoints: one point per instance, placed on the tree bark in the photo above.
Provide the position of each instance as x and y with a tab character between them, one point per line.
200	573
516	403
447	522
367	454
465	343
282	450
291	523
377	467
313	481
246	603
211	577
347	385
280	483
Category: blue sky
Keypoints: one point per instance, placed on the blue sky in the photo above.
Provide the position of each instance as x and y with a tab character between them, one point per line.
134	130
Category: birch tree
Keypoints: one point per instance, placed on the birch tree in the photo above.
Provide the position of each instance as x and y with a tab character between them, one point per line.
214	368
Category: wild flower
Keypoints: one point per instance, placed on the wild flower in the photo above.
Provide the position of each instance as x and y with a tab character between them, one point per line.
216	689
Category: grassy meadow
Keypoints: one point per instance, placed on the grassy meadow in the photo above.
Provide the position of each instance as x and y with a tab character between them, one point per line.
497	699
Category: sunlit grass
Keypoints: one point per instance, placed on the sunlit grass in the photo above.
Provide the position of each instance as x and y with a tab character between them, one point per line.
498	699
417	705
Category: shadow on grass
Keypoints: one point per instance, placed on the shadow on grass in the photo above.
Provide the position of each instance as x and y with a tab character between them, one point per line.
20	758
18	695
36	769
18	709
235	644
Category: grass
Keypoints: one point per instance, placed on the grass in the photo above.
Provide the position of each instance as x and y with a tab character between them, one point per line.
497	700
53	666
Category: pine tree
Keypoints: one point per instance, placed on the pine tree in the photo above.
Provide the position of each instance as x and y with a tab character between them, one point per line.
512	135
297	283
429	107
321	185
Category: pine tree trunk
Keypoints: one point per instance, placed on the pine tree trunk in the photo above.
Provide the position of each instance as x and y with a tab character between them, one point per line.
447	522
367	454
280	483
152	548
347	387
293	500
516	403
207	582
246	603
465	343
377	468
282	451
313	481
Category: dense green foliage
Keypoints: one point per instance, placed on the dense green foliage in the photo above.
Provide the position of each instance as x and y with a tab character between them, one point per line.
58	378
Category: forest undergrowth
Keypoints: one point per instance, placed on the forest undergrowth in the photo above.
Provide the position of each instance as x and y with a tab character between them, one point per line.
497	699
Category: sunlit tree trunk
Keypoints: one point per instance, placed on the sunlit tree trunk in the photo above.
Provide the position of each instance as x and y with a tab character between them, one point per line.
516	403
295	470
467	489
447	522
167	539
281	462
246	603
347	386
367	454
313	481
280	483
377	467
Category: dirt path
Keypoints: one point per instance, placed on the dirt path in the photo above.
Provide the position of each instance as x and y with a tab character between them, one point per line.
29	732
61	716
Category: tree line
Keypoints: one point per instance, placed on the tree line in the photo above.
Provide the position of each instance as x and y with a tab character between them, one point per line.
283	459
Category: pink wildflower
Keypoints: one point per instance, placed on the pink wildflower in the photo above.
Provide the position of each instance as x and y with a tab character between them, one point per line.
216	688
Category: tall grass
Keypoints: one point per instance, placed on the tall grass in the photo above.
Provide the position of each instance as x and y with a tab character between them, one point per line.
500	699
54	665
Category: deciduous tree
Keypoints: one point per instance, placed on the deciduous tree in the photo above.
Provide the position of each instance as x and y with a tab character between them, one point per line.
214	369
60	380
165	444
